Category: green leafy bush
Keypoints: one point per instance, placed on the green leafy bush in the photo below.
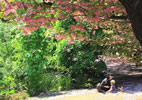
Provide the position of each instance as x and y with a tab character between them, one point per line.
81	61
38	51
11	62
38	63
56	82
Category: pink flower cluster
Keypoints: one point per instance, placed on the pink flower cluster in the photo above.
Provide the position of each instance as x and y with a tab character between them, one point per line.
131	34
70	42
63	2
81	38
9	11
97	12
68	9
28	5
95	19
38	21
19	5
78	19
107	11
47	27
113	8
119	37
74	27
39	8
84	4
27	31
52	11
61	17
59	37
114	42
0	1
72	36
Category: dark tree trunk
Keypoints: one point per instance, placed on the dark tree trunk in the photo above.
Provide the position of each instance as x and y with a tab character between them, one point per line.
134	10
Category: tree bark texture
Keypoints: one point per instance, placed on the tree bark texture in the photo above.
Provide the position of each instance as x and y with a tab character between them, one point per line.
134	10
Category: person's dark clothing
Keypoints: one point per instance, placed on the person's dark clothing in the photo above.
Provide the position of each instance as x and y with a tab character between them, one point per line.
105	82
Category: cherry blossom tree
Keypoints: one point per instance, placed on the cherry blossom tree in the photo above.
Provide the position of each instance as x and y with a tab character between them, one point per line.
116	15
88	18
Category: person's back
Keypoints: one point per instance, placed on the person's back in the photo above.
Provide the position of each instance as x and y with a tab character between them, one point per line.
104	85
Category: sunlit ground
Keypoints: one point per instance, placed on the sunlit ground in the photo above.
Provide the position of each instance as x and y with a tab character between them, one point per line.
89	94
100	96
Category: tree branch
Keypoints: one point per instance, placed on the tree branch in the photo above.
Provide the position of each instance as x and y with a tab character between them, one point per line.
119	17
115	20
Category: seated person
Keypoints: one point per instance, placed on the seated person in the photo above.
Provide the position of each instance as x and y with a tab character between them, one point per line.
113	88
104	85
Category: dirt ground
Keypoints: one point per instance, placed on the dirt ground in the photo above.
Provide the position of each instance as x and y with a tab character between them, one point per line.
129	76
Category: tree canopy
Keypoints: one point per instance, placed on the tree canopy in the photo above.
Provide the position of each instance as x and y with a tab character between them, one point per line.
31	14
81	19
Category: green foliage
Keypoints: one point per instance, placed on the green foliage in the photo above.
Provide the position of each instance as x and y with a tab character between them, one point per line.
21	11
34	47
24	63
53	65
82	61
56	82
38	51
99	33
66	23
7	85
11	66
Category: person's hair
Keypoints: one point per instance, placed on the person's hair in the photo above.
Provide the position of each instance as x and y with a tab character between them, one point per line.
108	76
112	81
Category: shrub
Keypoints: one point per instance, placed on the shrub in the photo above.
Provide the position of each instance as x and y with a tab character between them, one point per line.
38	63
80	60
11	62
38	51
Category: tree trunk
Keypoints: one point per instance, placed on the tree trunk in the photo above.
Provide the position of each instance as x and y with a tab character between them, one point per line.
134	10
